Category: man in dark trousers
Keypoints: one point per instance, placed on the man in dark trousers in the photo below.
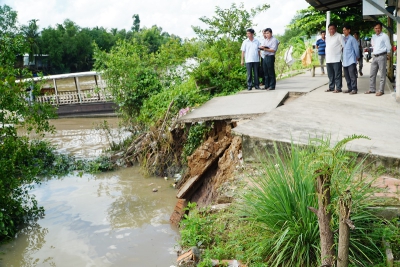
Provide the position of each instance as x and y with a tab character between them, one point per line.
251	54
360	60
351	54
268	48
333	52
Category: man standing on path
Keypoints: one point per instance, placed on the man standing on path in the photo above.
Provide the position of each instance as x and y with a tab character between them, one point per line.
268	48
382	47
320	45
333	53
360	59
251	54
351	54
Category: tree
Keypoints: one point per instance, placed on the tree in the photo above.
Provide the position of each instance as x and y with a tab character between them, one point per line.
19	161
152	37
136	23
32	37
8	21
311	20
229	23
130	74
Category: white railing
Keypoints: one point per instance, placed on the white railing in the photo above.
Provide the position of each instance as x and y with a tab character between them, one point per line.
72	88
73	97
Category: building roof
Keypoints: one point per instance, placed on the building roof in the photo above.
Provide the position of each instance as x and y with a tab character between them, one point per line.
326	5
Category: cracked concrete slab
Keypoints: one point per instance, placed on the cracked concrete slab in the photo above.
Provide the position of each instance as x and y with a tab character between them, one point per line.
239	106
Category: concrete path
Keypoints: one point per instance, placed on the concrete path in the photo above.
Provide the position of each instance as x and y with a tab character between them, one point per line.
299	84
338	115
250	104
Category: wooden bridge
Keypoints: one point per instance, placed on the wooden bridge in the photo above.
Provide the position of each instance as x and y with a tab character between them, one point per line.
77	94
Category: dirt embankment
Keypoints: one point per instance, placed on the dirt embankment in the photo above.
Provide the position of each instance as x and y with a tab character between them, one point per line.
209	177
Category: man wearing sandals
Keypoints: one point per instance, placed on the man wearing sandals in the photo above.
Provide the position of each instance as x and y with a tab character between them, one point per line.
351	54
333	54
381	44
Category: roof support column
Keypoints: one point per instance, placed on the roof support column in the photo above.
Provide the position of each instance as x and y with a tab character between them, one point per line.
328	20
397	65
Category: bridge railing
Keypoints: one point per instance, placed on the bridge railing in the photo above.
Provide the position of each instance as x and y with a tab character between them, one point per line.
72	88
73	97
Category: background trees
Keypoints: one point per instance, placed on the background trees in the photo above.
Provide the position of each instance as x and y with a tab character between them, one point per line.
311	20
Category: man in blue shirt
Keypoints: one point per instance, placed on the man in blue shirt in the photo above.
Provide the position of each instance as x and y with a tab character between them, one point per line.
251	54
351	54
320	45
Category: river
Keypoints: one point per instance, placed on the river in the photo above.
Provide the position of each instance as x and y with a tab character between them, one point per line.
106	219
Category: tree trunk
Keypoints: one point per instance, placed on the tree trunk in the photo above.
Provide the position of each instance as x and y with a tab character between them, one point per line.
324	220
344	229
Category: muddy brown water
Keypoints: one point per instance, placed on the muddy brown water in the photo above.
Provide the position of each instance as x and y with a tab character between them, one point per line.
106	219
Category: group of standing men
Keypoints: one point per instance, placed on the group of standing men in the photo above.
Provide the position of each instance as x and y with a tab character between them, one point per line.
252	50
339	51
345	51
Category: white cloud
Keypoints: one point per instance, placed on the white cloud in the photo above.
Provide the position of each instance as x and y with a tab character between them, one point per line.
174	16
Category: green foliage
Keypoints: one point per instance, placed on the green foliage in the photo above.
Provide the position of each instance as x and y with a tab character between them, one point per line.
220	68
136	23
222	236
31	34
229	23
311	20
183	95
8	20
279	199
196	136
391	234
19	167
20	160
130	75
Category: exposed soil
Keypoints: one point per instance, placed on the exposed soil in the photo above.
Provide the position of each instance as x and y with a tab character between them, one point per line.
214	169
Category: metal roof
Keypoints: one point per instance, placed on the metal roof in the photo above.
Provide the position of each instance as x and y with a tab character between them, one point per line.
325	5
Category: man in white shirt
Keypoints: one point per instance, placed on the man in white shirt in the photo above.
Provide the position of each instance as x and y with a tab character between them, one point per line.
333	56
268	49
382	47
251	54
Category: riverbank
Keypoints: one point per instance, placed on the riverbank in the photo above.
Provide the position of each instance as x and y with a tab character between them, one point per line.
313	113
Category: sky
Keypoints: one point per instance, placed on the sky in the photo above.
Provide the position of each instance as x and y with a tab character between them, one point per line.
174	16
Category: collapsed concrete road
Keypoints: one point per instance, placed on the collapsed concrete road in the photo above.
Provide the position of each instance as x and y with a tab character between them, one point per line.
338	115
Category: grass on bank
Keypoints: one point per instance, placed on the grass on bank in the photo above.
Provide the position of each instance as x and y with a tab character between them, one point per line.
270	224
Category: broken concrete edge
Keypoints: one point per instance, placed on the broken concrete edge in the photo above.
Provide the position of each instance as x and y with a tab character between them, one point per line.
254	148
184	118
188	185
221	118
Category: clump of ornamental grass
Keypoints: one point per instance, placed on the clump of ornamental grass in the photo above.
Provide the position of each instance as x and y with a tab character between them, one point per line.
284	188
